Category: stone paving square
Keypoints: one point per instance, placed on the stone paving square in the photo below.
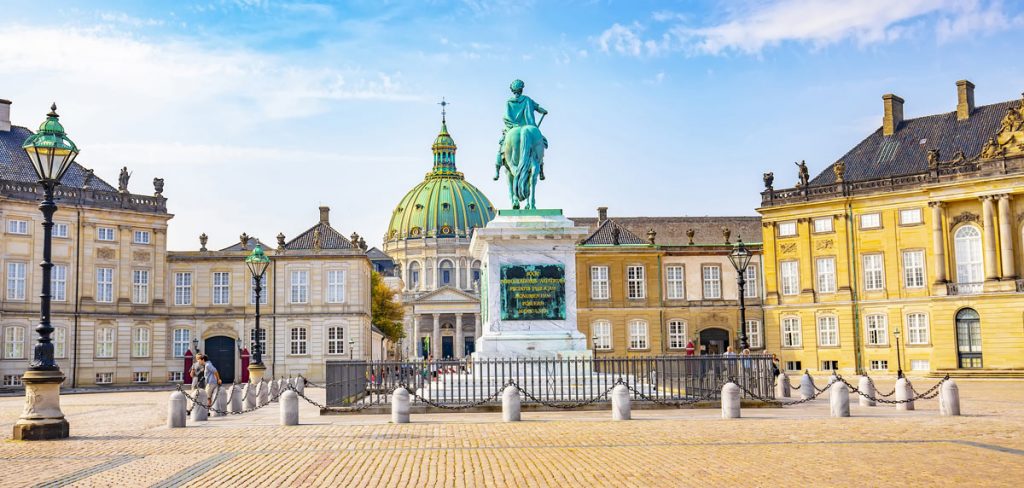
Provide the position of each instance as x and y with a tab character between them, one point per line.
120	439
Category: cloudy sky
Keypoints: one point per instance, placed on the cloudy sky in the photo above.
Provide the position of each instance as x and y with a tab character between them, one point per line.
257	111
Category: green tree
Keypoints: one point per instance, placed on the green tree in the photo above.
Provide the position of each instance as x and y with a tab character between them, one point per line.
387	313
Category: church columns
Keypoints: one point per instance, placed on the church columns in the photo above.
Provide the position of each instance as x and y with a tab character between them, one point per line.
1006	238
413	350
938	242
435	338
989	237
458	273
460	348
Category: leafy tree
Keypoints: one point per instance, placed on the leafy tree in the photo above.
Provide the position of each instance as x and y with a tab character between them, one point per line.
386	311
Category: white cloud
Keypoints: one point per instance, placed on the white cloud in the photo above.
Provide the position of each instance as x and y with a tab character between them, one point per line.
816	23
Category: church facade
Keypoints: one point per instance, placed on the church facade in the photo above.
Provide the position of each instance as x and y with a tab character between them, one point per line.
906	253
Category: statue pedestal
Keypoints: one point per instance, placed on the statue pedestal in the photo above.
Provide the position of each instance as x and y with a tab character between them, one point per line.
42	418
256	372
528	290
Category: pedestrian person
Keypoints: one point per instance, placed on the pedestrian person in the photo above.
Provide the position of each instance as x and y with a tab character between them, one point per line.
212	378
198	378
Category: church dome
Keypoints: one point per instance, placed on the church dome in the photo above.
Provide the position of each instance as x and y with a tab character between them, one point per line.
444	204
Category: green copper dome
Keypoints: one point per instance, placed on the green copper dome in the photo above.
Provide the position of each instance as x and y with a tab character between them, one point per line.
444	204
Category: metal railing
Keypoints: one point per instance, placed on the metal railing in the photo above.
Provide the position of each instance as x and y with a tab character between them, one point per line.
548	381
964	288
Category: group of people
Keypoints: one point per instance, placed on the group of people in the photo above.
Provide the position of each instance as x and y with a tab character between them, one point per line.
205	376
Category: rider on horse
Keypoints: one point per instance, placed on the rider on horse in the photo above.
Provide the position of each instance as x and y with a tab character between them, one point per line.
519	113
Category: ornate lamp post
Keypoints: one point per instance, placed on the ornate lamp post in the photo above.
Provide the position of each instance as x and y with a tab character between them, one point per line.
257	263
51	153
351	343
899	360
740	258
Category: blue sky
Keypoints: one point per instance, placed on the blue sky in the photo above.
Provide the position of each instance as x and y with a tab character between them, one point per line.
257	111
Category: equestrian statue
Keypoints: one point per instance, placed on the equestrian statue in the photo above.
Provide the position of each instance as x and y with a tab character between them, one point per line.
521	148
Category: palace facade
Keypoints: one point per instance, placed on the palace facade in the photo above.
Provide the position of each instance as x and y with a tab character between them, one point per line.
126	310
649	286
915	236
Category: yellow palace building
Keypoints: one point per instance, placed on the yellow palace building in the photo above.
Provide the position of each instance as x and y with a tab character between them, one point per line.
913	237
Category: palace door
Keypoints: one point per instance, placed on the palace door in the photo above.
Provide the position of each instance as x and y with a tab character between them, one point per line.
221	350
968	339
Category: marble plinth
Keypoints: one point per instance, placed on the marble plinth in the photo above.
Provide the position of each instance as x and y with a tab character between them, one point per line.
42	418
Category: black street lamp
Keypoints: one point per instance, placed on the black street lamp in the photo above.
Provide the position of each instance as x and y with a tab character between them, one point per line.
257	263
351	343
899	360
51	153
740	258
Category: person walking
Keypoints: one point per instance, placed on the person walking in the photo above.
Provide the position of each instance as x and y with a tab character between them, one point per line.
197	370
212	378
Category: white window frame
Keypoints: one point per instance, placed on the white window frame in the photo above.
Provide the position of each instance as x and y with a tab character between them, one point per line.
599	289
792	332
181	341
920	365
14	342
918	333
175	376
140	286
336	339
675	282
907	219
105	234
601	335
221	288
752	284
871	220
60	341
825	269
141	237
755	339
335	286
12	380
636	283
969	255
105	341
104	378
638	335
299	291
828	330
262	340
787	229
823	228
59	283
140	342
874	271
60	230
298	341
711	281
794	365
140	377
789	277
105	285
264	291
913	268
879	365
16	280
677	334
17	226
876	329
183	288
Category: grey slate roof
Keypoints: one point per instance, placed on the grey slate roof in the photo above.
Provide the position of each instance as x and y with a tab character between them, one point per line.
672	230
605	234
906	151
329	238
15	165
377	255
251	243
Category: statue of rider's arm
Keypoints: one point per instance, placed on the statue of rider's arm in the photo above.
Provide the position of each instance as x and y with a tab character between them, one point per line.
540	109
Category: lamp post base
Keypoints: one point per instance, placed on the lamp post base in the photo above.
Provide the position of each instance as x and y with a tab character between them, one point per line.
42	418
256	372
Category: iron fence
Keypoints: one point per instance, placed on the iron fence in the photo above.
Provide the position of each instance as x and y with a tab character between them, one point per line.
548	380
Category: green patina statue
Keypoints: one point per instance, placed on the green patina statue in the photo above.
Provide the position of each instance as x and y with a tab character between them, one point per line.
522	147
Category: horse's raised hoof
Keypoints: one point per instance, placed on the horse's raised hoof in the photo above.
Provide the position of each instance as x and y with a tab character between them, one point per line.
542	177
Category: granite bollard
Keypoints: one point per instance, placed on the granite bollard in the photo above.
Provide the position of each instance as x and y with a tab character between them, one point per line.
730	401
400	406
275	390
300	385
263	393
199	411
235	399
806	386
904	391
511	404
949	399
289	403
621	407
220	402
839	399
867	392
782	388
249	395
176	410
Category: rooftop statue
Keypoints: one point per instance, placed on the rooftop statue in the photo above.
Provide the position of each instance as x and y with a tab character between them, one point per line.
522	147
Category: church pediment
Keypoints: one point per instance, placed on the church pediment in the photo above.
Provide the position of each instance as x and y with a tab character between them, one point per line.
447	295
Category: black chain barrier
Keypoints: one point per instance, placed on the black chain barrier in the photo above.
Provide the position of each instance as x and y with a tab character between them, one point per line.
927	395
873	387
211	408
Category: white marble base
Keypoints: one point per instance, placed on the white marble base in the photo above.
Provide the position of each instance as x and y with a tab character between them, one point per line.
42	418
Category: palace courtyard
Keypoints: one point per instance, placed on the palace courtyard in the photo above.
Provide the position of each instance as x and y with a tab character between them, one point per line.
120	439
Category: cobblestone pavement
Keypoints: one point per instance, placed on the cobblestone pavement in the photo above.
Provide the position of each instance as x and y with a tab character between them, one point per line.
119	439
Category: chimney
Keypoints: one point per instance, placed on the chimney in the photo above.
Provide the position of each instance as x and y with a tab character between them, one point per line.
964	99
602	214
893	113
5	115
325	215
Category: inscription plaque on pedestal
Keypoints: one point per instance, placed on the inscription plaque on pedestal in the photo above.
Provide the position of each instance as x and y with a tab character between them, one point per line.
532	292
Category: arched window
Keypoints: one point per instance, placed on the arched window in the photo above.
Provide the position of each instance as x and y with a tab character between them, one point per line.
475	275
414	275
969	258
968	338
447	272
